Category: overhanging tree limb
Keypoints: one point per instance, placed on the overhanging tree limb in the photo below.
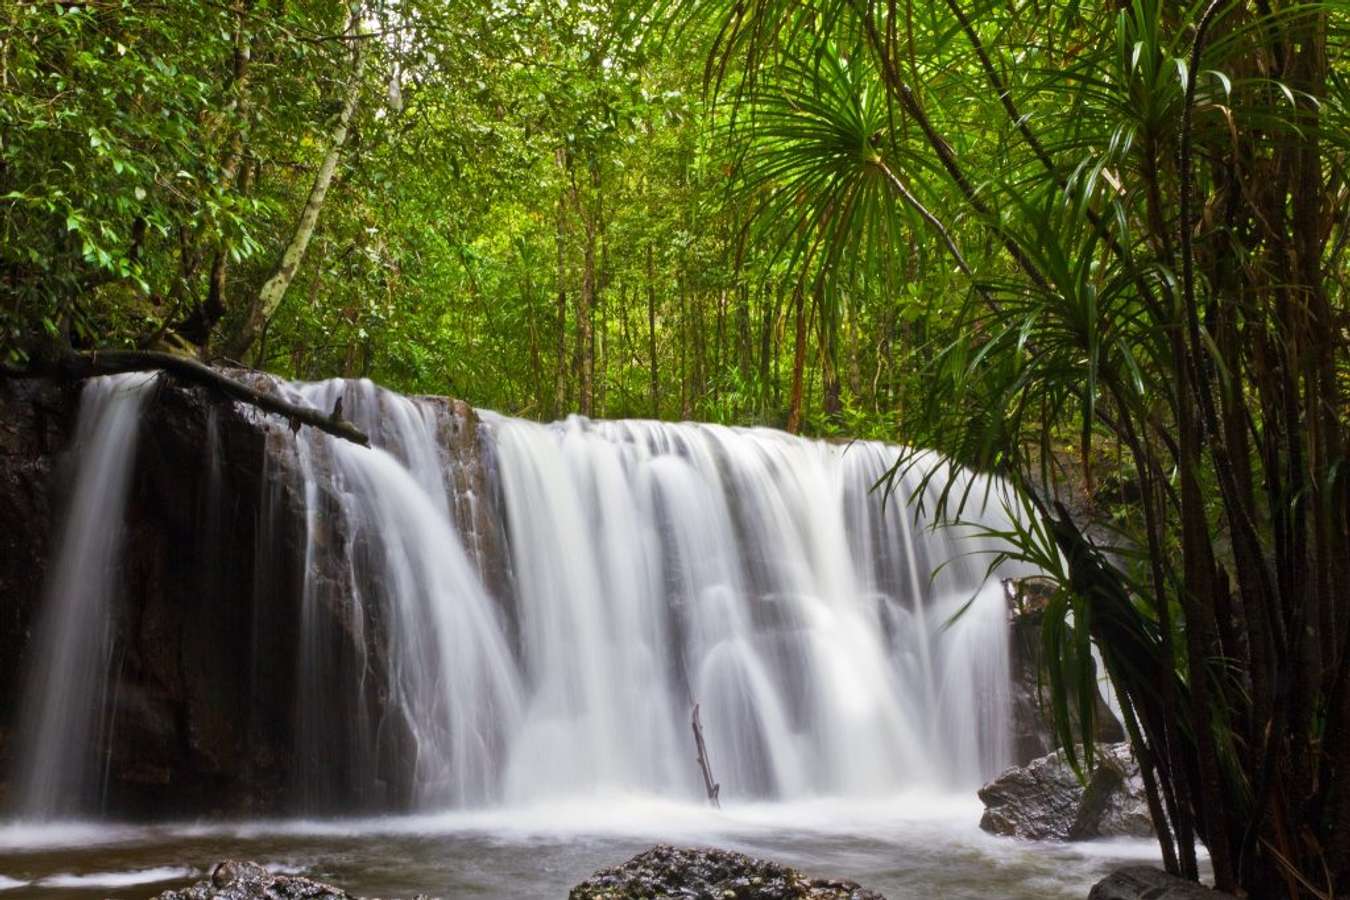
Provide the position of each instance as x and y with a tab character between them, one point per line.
77	366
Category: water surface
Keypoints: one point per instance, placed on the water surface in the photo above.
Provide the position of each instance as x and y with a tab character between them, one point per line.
909	846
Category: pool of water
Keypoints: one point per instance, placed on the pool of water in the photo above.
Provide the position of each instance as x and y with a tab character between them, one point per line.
910	846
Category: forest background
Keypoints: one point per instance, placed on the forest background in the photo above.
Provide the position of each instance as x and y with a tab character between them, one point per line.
532	207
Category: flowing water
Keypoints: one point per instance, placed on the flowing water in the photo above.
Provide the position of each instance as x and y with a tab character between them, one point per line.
542	717
64	708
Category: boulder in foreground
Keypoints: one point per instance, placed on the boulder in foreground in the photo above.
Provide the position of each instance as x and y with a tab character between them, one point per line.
673	872
235	880
1148	883
1044	799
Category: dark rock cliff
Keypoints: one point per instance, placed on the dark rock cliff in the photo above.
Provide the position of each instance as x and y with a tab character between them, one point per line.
206	630
36	420
1032	716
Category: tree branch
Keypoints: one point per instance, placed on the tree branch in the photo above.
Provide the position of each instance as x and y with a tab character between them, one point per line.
76	366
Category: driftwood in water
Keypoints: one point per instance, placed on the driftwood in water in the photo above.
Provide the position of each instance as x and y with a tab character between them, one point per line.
712	786
76	366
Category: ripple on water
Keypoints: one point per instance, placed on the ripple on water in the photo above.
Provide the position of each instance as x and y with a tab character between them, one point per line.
127	878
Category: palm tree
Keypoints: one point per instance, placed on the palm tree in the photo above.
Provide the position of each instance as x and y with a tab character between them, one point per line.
1144	204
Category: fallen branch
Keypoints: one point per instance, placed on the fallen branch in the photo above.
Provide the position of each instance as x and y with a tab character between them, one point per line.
712	787
76	366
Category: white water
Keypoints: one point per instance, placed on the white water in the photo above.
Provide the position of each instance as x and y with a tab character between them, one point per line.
661	565
65	714
448	665
651	567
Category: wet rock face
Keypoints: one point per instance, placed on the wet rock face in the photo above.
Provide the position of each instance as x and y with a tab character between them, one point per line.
1032	721
201	708
36	421
1148	883
1044	799
671	872
207	627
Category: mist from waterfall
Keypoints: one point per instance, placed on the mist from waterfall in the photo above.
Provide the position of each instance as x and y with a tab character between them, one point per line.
647	567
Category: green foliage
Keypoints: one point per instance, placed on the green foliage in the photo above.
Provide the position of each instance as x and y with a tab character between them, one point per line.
1139	204
154	161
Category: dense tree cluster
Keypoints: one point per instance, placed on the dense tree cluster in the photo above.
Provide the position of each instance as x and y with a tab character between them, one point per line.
522	203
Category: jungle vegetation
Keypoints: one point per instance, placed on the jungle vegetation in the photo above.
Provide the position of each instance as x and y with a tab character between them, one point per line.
1092	243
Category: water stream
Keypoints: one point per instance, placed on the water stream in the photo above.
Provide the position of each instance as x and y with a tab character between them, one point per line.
64	719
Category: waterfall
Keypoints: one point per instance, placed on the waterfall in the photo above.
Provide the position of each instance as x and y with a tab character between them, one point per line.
387	513
755	573
66	709
510	612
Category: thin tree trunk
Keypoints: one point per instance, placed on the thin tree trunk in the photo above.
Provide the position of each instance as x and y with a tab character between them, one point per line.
274	289
560	371
685	411
199	325
651	336
585	351
794	419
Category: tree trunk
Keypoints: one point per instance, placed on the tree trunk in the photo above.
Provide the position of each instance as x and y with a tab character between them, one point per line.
274	289
651	336
78	366
560	370
202	321
685	411
794	418
829	370
585	350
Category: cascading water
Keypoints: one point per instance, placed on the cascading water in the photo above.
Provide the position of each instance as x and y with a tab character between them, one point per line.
64	722
660	565
647	567
454	693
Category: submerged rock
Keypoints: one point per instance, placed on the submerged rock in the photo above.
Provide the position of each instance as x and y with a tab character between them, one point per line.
1148	883
237	880
707	874
1044	800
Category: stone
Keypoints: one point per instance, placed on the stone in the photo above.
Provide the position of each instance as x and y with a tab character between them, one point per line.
235	879
1148	883
1044	800
710	874
238	880
36	422
1032	720
1114	802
